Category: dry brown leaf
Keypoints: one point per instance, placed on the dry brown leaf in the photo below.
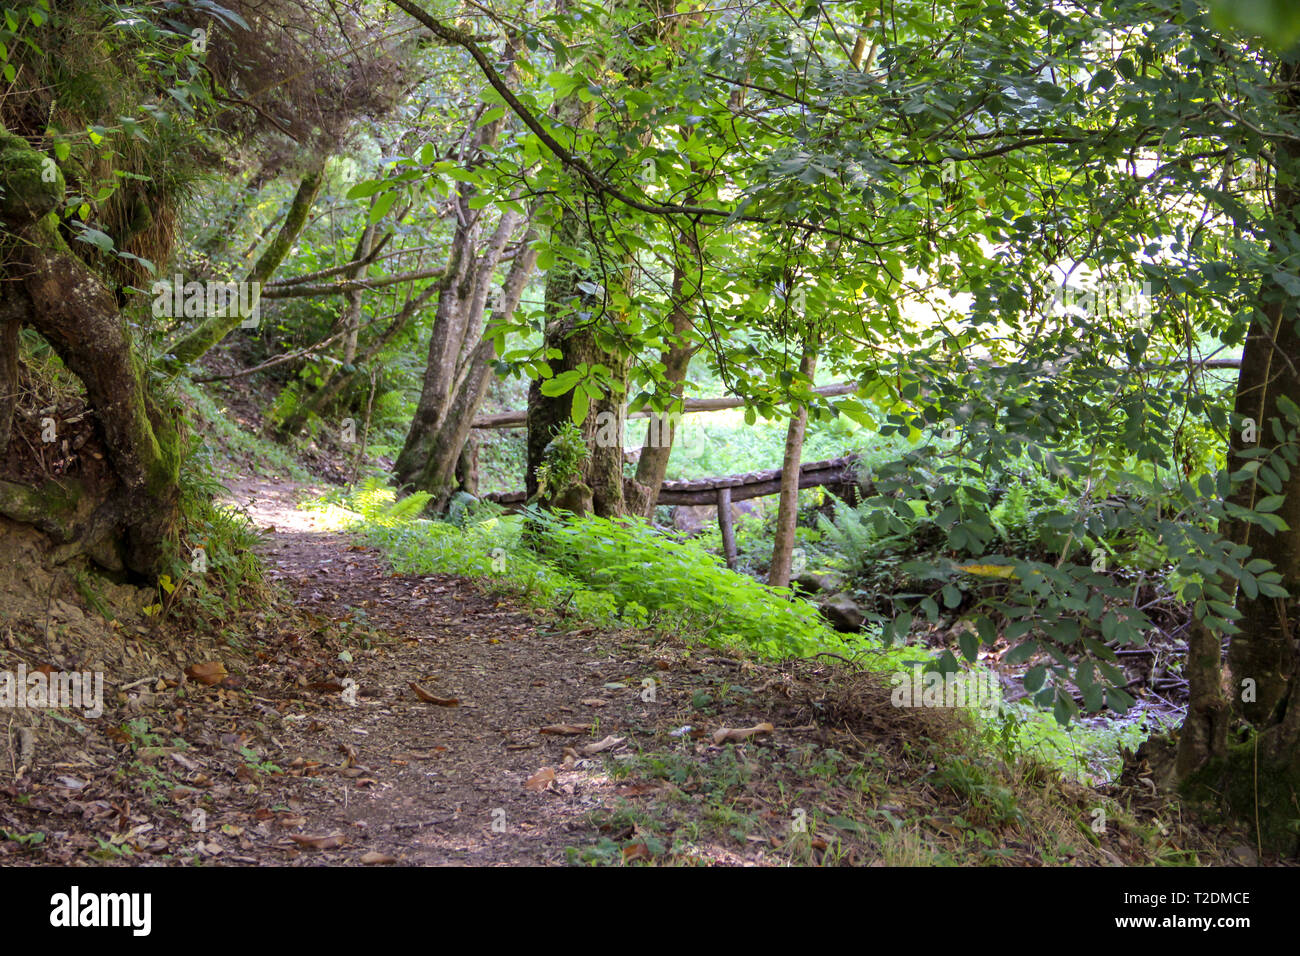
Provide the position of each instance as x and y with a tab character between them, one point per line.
609	743
636	851
428	698
374	857
723	734
540	780
566	730
637	789
328	842
594	702
210	673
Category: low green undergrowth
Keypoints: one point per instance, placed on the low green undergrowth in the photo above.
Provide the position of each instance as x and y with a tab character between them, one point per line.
626	574
597	569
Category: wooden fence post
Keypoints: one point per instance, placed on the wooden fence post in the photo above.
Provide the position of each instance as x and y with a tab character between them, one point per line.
724	523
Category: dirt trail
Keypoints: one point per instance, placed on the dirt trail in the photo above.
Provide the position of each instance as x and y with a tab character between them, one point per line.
433	784
419	720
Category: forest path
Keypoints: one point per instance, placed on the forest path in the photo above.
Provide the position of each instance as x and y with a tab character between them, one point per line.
369	717
498	776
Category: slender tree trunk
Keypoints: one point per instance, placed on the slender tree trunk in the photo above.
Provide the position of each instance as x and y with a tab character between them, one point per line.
337	383
1265	650
352	298
10	326
783	542
440	472
457	326
652	466
219	238
1204	733
215	328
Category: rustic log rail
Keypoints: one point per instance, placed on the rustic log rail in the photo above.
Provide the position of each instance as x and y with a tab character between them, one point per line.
723	490
517	419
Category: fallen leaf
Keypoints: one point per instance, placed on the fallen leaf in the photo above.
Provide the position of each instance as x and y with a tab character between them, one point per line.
185	761
373	857
328	842
609	743
636	851
213	672
566	730
594	702
723	734
637	789
540	780
428	698
988	570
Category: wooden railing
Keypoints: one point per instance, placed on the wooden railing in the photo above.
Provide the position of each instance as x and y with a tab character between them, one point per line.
839	473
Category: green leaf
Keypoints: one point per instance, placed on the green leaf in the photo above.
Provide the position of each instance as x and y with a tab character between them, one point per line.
381	206
100	240
366	188
580	406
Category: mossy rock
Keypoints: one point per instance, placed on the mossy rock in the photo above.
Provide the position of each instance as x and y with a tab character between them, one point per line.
576	498
31	185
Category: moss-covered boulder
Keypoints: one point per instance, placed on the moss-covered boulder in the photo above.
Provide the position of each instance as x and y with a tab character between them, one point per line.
31	185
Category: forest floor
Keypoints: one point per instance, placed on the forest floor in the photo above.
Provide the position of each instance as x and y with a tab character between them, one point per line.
377	718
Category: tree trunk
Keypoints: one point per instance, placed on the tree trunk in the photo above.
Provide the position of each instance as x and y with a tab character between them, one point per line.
657	449
778	575
10	327
467	466
215	328
1204	733
1258	780
1264	651
576	338
427	460
439	474
77	314
336	384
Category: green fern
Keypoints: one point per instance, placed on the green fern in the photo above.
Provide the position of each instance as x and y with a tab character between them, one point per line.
409	507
